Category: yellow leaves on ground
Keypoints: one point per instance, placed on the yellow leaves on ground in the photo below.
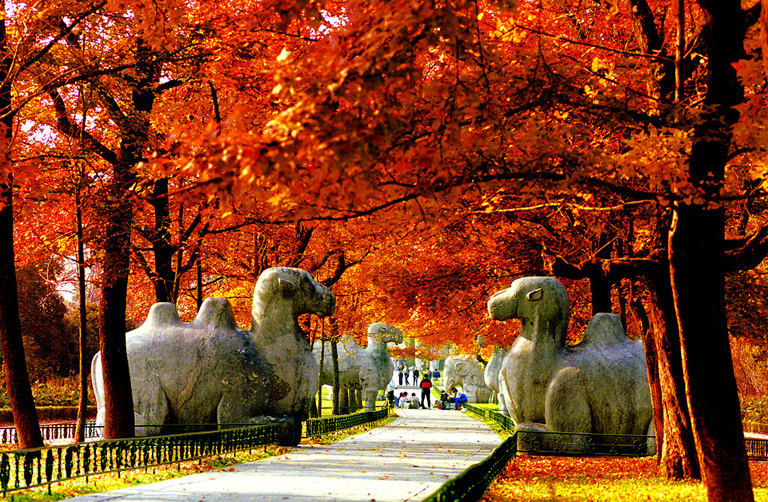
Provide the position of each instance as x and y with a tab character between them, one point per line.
599	479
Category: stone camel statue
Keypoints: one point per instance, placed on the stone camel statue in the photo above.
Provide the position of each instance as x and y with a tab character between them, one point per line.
597	386
466	372
209	371
368	369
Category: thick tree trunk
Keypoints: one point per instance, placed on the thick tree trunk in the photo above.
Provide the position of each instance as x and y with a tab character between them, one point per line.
117	250
161	244
677	448
118	399
697	269
16	375
696	261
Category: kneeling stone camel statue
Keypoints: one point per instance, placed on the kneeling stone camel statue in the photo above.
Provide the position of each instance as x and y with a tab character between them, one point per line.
598	386
369	369
209	371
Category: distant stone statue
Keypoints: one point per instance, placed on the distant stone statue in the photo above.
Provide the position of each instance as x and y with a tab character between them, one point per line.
466	372
491	375
209	371
368	369
598	386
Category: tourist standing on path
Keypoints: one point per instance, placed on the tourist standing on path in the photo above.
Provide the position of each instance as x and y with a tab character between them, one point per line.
407	374
415	376
426	391
391	395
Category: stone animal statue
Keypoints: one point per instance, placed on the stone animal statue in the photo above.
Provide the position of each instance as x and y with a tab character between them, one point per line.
209	371
368	369
466	372
598	386
491	375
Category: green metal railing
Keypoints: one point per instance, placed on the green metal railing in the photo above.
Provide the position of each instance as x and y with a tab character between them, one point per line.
570	443
319	426
22	469
559	443
471	484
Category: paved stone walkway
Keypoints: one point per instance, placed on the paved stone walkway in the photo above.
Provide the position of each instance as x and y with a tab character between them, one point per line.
407	460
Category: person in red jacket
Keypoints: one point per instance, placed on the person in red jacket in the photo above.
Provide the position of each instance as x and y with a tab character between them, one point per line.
426	391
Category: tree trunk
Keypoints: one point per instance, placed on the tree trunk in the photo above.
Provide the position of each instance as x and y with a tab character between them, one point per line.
16	375
697	270
699	289
161	243
336	386
199	286
117	250
82	404
320	379
677	448
118	399
600	288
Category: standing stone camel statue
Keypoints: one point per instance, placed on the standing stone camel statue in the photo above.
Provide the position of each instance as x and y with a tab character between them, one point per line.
598	386
368	369
466	372
209	371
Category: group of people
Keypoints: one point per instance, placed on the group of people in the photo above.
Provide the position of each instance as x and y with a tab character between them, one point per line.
457	399
403	373
403	400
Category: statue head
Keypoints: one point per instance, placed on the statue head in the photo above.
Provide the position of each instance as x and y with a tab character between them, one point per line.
385	332
297	291
534	300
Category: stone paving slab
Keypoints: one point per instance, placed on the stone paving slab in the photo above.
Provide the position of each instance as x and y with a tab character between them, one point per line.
406	460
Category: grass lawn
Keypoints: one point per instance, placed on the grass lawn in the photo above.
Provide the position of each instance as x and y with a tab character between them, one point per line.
328	404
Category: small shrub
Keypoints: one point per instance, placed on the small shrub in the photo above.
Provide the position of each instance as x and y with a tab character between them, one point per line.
58	391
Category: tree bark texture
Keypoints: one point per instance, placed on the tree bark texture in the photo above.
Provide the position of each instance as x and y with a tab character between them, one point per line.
16	375
697	270
82	404
336	387
117	249
161	243
118	399
15	364
678	459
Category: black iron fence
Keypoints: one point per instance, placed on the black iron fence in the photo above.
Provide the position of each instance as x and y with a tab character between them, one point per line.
757	449
319	426
54	432
543	443
471	484
21	469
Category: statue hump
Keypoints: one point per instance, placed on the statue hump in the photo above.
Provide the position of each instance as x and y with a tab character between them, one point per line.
604	330
216	313
161	315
